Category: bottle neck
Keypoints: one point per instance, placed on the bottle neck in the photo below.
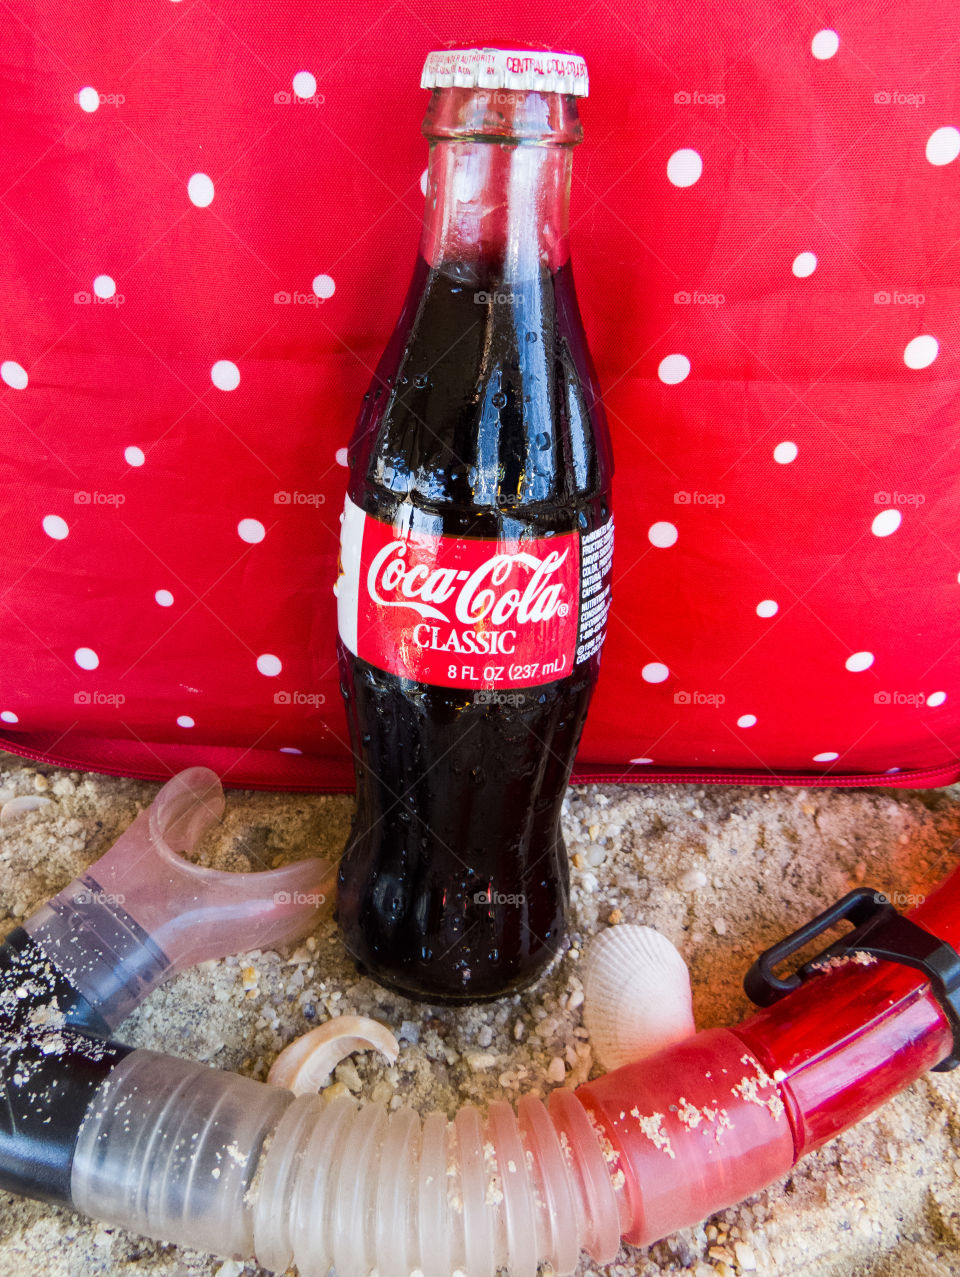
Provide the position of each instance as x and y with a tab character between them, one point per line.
498	183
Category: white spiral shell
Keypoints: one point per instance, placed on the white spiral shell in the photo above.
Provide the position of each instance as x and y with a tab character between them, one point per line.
637	996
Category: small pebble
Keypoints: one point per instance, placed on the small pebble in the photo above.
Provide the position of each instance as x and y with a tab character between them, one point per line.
860	871
745	1257
334	1092
485	1036
692	880
518	1031
557	1070
17	807
250	977
346	1072
477	1061
593	832
720	926
616	916
229	1268
575	999
40	783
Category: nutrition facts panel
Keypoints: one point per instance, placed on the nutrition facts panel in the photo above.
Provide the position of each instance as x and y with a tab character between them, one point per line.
596	550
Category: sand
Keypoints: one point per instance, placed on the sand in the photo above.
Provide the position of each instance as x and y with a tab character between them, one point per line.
881	1199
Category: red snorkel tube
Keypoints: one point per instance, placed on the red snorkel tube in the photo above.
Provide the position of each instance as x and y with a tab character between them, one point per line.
709	1121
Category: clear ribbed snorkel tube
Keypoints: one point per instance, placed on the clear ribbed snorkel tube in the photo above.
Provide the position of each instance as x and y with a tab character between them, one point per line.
188	1154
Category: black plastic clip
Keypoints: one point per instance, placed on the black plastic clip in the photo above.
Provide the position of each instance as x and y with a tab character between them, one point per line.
879	929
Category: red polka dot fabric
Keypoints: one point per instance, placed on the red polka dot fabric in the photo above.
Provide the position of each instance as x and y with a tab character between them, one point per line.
209	213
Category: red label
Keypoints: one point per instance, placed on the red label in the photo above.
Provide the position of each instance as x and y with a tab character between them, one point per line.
460	612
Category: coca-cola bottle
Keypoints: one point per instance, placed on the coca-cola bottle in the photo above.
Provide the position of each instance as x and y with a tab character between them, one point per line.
475	554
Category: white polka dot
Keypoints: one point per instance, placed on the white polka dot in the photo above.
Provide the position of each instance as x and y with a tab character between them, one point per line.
654	672
184	720
251	531
164	598
423	180
55	527
936	698
943	145
341	456
269	665
289	749
14	374
88	99
225	375
921	351
673	369
86	658
827	757
886	523
804	264
304	84
200	189
641	762
662	535
768	607
9	716
824	44
747	720
104	286
684	167
859	662
324	287
785	452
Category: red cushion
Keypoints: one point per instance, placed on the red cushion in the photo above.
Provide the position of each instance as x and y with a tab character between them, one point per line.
800	154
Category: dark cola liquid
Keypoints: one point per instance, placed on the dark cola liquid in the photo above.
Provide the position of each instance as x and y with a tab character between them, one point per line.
484	414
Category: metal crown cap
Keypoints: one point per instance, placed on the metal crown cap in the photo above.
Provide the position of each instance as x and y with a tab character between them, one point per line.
545	70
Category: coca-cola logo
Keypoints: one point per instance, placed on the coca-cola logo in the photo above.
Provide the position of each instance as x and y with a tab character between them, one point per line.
504	587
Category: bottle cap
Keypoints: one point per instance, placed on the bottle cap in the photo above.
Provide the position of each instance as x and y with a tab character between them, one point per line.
544	70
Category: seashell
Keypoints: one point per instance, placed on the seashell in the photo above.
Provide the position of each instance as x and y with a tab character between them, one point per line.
14	808
306	1064
636	995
